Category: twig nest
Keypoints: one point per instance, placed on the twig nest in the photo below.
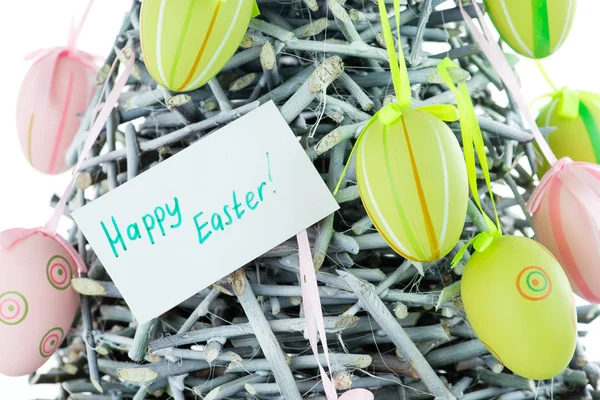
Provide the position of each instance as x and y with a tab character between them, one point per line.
577	135
534	29
37	302
520	304
412	180
186	43
565	210
54	95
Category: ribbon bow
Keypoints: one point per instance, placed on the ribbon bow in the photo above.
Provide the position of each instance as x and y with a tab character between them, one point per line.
472	139
568	106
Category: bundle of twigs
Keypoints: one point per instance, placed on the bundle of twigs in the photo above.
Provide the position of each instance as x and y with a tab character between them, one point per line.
324	65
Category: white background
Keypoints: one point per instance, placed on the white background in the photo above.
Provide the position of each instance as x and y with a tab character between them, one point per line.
27	25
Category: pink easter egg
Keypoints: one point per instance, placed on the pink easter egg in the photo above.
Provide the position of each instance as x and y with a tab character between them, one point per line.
47	127
565	210
37	301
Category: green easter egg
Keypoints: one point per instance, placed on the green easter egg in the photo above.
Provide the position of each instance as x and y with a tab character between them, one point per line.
576	136
412	181
532	28
520	304
185	43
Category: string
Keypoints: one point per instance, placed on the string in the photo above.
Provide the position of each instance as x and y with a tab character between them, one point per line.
542	70
473	144
93	134
75	32
498	60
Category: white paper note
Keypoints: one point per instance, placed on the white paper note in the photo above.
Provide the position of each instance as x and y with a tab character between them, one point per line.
205	212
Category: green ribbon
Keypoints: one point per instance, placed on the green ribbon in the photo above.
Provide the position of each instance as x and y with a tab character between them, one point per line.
541	28
255	10
397	63
569	103
473	144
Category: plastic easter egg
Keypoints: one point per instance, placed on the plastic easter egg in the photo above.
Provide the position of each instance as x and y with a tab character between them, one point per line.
534	29
520	304
46	129
186	42
576	136
412	181
37	301
565	210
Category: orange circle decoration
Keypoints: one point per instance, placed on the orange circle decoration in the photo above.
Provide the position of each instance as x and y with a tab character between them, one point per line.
534	284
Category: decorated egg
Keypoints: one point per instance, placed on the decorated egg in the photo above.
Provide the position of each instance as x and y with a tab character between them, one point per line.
534	29
47	128
577	133
186	42
565	210
520	304
37	301
412	181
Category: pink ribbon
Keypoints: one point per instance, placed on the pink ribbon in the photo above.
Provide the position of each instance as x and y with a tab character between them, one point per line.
498	60
11	237
313	318
93	134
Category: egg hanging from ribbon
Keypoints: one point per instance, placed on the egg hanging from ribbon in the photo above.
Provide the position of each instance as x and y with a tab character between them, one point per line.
37	301
565	210
413	183
520	304
532	28
53	97
185	43
577	129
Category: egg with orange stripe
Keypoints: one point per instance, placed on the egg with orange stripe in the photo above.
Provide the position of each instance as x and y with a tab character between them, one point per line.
185	43
575	115
565	211
47	127
519	302
412	180
532	28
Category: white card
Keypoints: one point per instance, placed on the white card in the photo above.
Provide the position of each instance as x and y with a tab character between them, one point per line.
180	228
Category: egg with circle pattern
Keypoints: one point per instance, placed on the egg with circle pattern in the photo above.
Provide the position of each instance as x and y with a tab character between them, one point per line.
412	180
185	43
532	28
519	302
37	300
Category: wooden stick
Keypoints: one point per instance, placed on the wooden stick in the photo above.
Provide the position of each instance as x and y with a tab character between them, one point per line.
371	302
90	287
457	352
139	347
266	338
